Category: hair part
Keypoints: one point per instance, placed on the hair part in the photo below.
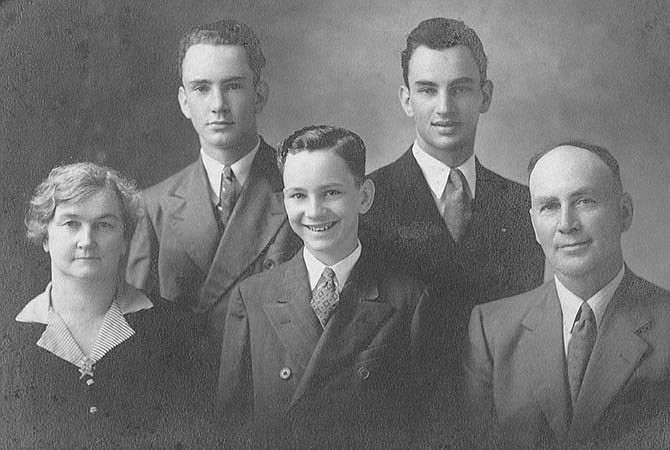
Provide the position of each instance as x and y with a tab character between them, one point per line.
346	144
224	32
439	33
72	183
601	152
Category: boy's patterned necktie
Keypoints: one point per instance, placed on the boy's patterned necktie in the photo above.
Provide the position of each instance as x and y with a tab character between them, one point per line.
325	296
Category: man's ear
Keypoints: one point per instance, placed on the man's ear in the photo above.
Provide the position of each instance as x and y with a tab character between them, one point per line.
183	102
487	91
404	97
367	190
262	91
626	207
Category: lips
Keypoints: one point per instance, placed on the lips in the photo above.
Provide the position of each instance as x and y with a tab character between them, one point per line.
573	245
446	123
221	123
321	227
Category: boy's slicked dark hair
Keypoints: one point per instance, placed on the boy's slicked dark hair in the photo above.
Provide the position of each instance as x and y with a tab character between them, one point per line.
346	144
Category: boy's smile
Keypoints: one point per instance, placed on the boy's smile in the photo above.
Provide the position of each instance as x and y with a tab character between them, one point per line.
323	202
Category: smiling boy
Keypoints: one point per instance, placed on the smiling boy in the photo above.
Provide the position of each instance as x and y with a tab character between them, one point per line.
327	343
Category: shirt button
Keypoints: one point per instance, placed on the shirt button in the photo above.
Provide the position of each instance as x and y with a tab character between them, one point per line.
268	264
364	373
285	373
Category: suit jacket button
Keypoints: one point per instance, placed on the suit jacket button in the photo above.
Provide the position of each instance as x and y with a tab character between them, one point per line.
285	373
364	373
268	264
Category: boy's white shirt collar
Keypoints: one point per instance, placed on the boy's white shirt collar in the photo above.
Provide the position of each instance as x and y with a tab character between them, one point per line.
571	303
213	168
436	172
342	268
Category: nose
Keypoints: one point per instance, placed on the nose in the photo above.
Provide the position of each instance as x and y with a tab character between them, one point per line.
85	237
445	102
314	208
568	221
219	103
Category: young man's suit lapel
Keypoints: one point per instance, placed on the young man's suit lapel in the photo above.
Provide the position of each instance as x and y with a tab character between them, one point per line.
255	221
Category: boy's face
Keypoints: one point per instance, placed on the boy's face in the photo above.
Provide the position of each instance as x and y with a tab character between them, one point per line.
323	202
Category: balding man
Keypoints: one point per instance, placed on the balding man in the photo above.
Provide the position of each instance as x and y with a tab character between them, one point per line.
586	356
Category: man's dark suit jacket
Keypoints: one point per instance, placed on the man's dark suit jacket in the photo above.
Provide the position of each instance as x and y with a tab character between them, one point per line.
177	251
516	368
498	257
350	385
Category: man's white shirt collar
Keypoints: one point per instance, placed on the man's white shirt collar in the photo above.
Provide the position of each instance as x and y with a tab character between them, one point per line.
570	303
213	168
436	172
342	268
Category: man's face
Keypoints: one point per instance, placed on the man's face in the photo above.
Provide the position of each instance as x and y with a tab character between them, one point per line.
219	96
323	202
445	98
579	215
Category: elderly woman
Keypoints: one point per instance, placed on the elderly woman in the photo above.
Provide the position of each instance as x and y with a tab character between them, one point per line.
93	362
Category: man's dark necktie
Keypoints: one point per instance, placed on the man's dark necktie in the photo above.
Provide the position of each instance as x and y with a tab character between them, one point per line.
458	207
227	194
325	296
584	332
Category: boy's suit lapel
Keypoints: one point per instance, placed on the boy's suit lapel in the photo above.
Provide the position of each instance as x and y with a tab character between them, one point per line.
191	216
359	316
291	315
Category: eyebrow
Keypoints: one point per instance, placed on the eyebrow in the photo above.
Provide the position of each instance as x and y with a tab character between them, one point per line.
207	81
77	216
462	80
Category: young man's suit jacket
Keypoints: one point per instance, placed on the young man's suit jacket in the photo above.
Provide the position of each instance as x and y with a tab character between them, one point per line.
178	252
499	256
350	385
516	367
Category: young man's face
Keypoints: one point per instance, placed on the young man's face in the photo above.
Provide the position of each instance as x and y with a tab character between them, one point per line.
219	96
323	202
445	98
579	215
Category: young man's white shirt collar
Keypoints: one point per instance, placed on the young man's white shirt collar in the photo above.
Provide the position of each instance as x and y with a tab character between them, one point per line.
436	174
342	268
570	304
213	168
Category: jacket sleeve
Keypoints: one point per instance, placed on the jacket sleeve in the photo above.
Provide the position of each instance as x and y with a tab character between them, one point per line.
142	265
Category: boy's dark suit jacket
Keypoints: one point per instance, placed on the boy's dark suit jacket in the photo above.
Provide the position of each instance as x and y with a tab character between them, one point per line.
516	369
498	257
350	385
177	251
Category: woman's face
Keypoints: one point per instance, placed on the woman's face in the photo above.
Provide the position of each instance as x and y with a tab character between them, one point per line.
85	238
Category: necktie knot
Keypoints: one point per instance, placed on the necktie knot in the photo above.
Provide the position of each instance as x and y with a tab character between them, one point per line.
325	296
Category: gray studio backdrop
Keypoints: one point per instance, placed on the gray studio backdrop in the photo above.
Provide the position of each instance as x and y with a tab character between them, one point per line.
97	80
